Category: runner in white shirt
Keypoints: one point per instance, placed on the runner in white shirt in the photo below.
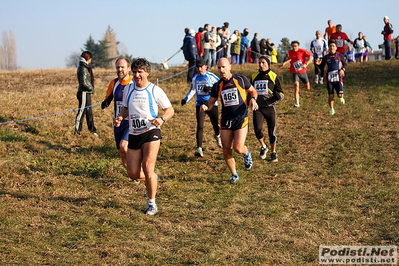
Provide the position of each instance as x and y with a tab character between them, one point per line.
319	48
360	45
140	105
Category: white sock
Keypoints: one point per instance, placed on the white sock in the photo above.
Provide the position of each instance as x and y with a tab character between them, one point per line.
151	201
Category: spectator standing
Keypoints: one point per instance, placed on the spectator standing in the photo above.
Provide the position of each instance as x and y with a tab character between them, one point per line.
255	49
244	46
221	48
215	42
235	47
85	90
190	53
199	39
269	48
262	46
207	44
387	33
226	36
274	54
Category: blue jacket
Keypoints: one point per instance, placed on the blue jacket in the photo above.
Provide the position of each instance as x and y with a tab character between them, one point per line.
189	48
244	43
200	86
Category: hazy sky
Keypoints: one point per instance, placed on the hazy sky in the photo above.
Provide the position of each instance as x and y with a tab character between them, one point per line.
47	32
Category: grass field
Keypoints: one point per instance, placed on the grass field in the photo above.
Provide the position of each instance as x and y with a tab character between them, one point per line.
66	200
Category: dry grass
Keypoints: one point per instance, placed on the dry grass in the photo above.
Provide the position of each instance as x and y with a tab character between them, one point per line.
67	201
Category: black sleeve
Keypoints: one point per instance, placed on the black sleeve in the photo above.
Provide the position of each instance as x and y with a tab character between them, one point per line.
390	28
107	101
246	84
214	91
342	58
278	92
323	61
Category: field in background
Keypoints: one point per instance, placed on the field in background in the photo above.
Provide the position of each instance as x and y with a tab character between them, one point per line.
66	200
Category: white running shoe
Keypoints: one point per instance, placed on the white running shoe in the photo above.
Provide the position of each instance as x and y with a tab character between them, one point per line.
151	209
218	140
200	152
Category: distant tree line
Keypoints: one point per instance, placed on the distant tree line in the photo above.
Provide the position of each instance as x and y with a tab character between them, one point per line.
8	52
282	50
105	51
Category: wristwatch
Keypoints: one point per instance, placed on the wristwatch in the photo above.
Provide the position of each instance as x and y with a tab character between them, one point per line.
163	119
254	98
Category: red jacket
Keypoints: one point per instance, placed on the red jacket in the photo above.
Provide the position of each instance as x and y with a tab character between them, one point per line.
199	38
388	29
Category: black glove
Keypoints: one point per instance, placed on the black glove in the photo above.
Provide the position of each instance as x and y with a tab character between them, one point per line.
104	105
183	102
207	89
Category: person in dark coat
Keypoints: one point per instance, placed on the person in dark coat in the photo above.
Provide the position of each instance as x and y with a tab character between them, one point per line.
190	53
85	90
255	49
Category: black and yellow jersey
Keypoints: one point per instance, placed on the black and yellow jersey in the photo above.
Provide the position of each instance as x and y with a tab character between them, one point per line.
233	96
268	86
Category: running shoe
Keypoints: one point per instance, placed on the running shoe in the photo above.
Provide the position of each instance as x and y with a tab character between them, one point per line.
218	140
316	79
297	105
199	152
332	111
151	209
262	153
273	157
342	100
234	179
248	161
321	81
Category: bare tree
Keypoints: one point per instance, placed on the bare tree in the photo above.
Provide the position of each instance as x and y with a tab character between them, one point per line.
72	60
9	51
111	46
12	52
2	64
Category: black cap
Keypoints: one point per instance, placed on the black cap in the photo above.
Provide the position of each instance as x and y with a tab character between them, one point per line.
201	62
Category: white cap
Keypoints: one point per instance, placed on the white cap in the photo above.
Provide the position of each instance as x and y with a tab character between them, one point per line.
386	17
191	32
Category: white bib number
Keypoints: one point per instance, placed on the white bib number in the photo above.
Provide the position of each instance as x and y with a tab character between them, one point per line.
333	76
298	65
138	124
200	87
340	43
230	97
262	87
